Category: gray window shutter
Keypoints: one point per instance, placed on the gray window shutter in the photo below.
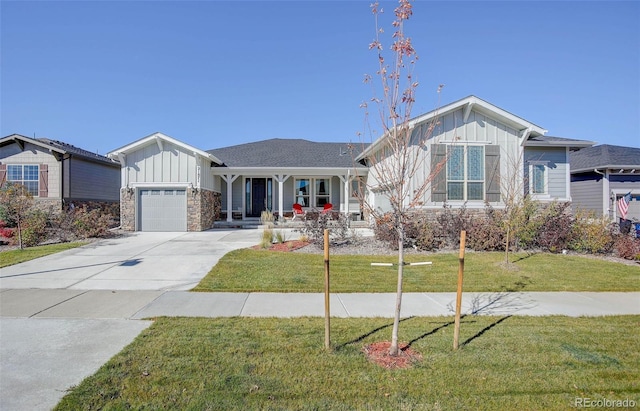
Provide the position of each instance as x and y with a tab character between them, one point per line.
44	181
492	173
438	170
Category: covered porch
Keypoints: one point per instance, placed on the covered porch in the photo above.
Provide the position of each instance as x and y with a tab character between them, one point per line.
247	193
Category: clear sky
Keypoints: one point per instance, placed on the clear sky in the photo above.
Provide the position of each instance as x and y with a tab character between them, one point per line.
102	74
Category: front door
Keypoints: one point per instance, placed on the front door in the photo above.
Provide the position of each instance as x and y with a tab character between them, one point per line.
258	196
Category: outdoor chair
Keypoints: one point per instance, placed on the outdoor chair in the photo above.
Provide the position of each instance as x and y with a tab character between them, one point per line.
297	210
327	208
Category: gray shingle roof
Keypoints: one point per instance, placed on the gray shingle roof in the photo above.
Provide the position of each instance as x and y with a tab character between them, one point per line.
293	153
560	141
604	156
59	147
75	150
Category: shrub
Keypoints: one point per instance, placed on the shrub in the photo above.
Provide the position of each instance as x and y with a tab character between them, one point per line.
486	233
385	230
267	237
451	223
34	228
555	228
627	246
591	234
90	223
6	232
314	224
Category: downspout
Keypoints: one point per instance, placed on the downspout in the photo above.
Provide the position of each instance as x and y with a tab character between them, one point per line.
605	193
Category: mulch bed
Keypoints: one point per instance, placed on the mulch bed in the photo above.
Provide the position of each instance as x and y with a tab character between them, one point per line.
378	353
285	246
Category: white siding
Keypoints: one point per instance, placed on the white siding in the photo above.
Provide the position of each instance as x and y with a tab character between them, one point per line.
150	165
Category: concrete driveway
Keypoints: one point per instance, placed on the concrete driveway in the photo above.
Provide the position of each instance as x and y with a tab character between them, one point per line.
64	315
134	261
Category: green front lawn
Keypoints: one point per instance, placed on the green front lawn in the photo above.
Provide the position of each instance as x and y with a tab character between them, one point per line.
250	270
12	257
505	363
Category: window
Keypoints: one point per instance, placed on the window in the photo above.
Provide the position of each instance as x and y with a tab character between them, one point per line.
538	178
302	192
314	192
465	173
322	192
26	175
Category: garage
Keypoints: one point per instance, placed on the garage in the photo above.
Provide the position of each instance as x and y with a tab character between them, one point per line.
162	210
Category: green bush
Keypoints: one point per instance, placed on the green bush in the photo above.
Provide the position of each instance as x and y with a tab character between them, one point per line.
592	234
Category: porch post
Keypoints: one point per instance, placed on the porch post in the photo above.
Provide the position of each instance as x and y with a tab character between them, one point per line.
346	181
230	178
281	178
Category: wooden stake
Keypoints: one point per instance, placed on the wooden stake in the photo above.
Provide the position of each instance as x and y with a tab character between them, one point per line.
327	310
456	329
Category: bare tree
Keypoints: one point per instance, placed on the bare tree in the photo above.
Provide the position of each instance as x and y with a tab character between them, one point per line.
397	160
17	202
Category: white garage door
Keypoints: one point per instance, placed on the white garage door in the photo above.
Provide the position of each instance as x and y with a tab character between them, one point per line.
162	210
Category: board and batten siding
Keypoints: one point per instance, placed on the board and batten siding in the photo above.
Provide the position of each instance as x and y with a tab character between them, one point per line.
150	165
557	168
36	155
91	180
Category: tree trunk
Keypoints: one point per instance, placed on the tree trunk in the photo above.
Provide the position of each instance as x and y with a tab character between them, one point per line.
508	241
394	349
19	233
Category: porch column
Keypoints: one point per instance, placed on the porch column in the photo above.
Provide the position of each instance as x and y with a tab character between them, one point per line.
230	178
281	178
346	181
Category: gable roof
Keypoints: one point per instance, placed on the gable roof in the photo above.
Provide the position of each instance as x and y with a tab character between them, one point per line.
289	153
468	104
55	146
159	138
604	156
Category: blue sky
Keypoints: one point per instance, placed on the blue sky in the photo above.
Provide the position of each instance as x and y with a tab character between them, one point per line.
102	74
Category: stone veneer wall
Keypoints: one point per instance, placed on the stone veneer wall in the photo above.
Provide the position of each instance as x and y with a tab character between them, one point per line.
203	209
127	210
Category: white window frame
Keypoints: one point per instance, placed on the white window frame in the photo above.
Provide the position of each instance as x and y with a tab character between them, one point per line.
312	195
34	192
465	180
532	181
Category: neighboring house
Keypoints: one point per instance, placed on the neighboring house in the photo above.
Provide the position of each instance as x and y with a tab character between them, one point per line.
601	174
58	174
476	153
168	185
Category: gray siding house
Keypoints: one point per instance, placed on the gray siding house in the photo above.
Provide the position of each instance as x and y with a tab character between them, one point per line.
58	174
475	153
168	185
601	174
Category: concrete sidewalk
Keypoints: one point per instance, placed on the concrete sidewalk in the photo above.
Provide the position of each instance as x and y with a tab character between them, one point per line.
53	338
105	304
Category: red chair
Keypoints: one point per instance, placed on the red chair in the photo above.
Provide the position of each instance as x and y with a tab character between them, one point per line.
297	210
327	208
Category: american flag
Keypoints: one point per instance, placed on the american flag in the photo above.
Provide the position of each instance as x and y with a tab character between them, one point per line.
623	205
